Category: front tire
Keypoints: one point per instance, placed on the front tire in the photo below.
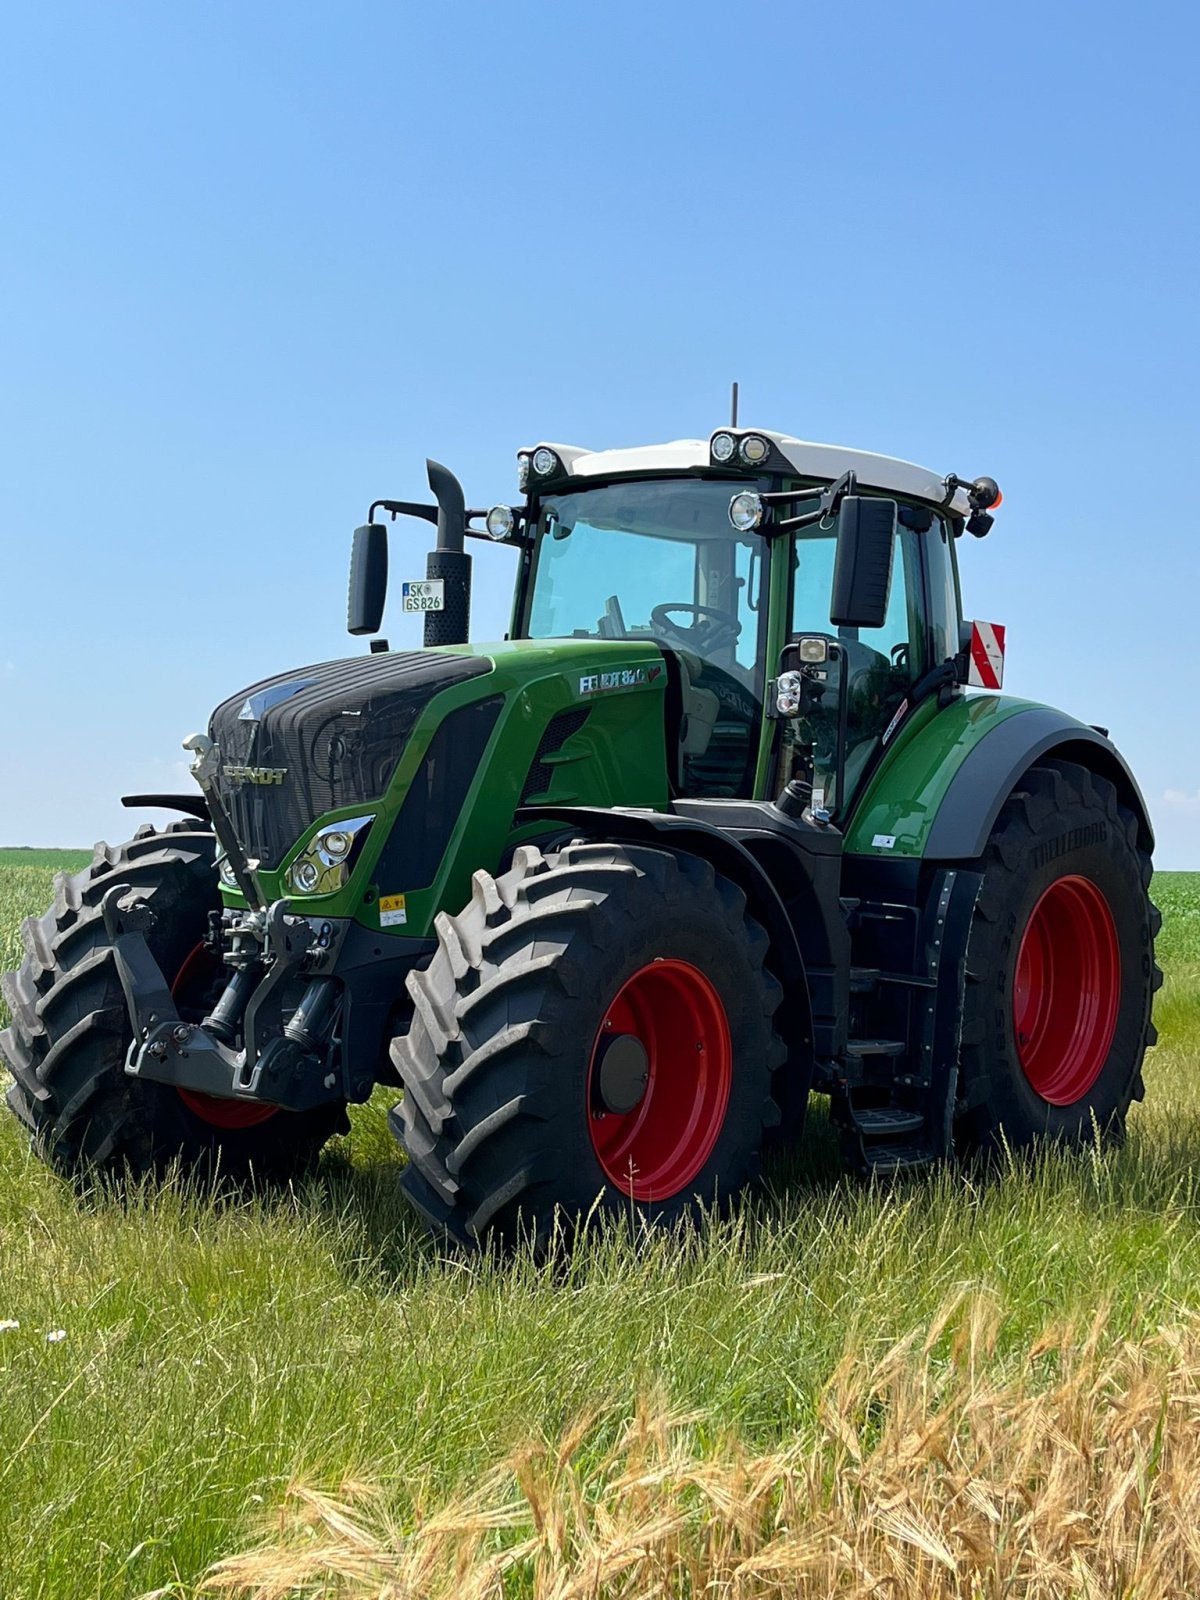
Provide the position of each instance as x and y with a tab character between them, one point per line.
1060	967
595	1033
70	1032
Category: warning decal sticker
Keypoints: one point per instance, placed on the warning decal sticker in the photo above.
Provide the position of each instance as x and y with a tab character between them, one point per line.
393	910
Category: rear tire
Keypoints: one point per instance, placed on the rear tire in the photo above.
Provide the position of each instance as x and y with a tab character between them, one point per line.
511	1083
1060	967
71	1032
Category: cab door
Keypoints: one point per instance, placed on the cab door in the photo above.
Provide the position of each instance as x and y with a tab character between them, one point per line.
879	667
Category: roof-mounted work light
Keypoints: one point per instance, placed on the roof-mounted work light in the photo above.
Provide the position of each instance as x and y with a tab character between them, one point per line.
729	449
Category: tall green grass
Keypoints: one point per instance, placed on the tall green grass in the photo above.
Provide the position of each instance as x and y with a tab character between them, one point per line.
211	1353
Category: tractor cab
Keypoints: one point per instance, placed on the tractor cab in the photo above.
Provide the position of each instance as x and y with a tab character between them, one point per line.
800	599
804	597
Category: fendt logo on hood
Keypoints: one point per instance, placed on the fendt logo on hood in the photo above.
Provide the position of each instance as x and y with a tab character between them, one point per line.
254	774
623	678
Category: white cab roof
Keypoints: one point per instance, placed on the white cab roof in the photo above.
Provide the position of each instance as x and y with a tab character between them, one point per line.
822	461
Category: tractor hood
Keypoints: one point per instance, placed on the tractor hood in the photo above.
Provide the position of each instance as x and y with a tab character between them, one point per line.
325	738
321	738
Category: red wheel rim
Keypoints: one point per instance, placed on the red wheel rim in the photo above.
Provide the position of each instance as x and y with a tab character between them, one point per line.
655	1150
192	981
1067	990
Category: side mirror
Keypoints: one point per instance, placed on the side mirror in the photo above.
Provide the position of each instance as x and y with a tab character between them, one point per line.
368	578
862	570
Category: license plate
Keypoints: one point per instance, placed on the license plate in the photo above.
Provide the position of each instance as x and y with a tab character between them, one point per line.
423	594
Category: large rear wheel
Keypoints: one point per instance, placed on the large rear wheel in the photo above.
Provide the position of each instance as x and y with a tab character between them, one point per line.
1060	967
595	1032
70	1030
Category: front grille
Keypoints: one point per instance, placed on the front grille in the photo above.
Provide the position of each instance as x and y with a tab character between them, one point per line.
320	738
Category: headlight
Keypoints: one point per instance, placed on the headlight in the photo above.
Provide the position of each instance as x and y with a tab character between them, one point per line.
544	462
746	510
500	522
723	446
336	843
523	471
789	691
305	875
754	449
327	862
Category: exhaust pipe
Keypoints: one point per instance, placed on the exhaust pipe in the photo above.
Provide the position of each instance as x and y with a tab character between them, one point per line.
449	561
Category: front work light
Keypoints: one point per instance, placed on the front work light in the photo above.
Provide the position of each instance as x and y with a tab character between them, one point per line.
499	522
523	470
746	510
754	449
544	462
327	862
723	446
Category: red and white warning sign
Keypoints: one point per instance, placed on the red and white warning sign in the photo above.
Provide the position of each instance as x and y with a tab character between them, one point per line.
987	655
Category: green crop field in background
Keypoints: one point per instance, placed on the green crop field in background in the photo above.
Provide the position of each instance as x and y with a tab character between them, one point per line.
46	860
170	1363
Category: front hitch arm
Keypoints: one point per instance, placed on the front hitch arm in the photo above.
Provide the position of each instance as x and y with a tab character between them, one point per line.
147	993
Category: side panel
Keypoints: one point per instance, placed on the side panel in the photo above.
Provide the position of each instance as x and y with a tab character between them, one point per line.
615	757
938	791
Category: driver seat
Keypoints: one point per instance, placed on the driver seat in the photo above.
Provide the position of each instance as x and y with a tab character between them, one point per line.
700	709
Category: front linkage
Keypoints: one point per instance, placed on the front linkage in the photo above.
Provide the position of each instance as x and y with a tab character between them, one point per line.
286	1063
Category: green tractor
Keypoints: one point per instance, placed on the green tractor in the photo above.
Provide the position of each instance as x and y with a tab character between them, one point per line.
734	813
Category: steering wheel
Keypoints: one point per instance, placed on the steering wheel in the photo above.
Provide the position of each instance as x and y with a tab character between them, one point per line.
712	628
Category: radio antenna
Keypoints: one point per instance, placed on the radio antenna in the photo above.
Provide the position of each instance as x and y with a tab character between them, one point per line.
733	408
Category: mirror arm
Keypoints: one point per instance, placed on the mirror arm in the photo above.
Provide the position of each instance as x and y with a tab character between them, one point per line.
828	503
403	508
788	524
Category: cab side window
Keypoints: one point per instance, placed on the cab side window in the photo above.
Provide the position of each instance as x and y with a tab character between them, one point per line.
880	664
945	608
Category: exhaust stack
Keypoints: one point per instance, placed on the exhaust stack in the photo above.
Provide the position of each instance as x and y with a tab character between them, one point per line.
449	561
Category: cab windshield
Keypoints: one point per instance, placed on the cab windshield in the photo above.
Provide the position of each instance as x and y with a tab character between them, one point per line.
660	561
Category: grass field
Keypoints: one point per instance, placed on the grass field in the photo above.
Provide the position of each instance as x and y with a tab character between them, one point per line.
943	1388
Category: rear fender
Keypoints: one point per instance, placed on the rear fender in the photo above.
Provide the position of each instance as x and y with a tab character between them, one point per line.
940	787
995	767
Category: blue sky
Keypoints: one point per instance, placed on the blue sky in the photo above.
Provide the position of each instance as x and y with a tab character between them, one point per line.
260	260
